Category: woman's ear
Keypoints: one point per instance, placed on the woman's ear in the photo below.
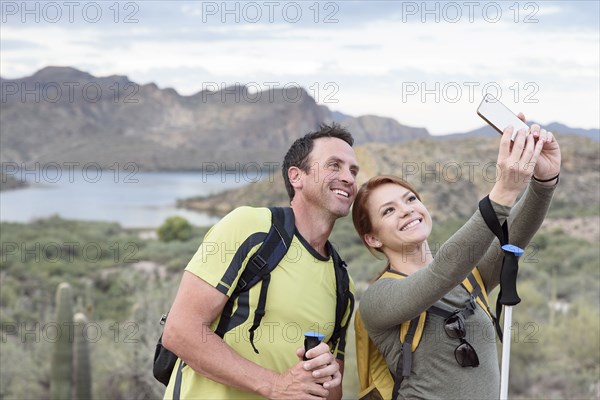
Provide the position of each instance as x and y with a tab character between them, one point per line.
372	241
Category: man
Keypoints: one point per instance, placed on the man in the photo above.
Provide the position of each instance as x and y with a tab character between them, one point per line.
319	172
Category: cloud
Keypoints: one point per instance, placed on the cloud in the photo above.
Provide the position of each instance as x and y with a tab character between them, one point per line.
367	59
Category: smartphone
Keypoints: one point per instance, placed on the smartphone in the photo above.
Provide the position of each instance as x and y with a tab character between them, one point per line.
499	116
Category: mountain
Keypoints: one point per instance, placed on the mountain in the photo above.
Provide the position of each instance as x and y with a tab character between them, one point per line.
64	115
61	114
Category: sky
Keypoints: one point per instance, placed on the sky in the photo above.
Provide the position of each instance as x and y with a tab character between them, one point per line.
424	63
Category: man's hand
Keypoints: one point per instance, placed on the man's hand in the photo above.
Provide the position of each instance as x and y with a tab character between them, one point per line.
310	379
322	364
297	383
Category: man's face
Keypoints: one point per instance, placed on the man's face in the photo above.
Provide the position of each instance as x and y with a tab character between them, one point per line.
330	182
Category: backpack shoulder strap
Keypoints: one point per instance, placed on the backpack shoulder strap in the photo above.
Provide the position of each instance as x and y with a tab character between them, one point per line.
405	327
258	268
410	336
404	365
475	286
344	301
271	251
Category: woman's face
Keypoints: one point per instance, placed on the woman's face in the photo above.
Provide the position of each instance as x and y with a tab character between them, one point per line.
398	218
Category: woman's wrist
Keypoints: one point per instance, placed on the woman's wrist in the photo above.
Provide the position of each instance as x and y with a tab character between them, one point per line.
504	197
551	181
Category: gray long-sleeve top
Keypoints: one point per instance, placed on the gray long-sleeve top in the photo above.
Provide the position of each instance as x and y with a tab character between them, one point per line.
388	302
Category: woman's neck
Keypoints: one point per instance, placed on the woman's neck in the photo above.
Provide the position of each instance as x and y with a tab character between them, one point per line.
409	258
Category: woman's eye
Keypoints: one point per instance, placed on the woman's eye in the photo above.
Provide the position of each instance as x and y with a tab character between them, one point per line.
388	210
412	198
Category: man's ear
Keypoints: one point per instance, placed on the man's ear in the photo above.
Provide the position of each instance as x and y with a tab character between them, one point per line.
295	177
372	241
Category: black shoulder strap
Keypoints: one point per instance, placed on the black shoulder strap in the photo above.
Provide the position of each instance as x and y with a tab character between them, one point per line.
271	251
404	365
259	267
344	299
510	263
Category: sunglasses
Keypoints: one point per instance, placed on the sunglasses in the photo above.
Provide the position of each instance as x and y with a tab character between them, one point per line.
464	353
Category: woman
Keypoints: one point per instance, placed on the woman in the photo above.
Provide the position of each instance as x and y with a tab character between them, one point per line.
390	218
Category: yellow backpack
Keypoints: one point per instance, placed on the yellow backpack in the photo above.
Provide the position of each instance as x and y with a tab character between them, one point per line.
375	379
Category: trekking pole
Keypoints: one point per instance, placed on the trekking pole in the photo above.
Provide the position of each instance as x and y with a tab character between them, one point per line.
505	353
508	297
508	286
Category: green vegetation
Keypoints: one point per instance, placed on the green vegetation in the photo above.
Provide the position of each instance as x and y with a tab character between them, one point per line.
175	228
110	270
126	281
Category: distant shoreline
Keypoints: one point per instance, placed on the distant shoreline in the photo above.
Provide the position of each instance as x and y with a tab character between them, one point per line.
8	183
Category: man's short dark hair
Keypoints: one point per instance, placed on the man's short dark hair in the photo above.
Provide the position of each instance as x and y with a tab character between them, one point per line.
297	155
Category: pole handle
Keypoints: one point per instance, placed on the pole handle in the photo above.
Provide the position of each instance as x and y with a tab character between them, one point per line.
311	340
508	280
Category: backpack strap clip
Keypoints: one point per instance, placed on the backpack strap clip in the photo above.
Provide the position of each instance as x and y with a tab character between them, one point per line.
259	262
241	284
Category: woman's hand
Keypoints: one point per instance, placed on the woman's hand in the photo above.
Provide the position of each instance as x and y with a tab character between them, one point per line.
516	163
548	162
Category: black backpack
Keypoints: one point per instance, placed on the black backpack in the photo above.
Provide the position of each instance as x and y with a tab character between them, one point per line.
272	250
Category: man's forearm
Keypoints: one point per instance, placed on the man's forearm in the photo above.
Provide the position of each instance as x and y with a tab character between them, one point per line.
210	356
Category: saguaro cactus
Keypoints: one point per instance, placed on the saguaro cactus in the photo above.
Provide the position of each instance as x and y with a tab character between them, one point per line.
88	301
62	358
82	371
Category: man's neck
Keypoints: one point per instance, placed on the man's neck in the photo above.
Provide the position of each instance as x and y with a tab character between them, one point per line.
314	228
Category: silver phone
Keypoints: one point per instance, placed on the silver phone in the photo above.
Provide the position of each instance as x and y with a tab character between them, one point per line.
499	116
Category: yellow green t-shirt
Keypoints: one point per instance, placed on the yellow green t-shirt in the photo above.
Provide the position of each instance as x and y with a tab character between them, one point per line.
301	298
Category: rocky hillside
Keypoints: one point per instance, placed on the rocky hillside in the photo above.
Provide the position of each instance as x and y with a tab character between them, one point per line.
61	114
451	176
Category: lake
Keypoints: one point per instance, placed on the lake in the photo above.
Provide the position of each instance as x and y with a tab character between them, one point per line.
133	199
